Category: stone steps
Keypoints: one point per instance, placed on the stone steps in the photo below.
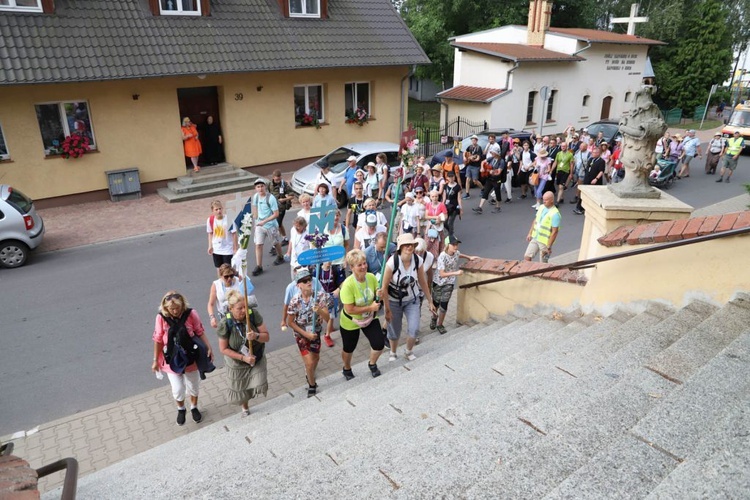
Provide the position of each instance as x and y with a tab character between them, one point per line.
539	405
210	181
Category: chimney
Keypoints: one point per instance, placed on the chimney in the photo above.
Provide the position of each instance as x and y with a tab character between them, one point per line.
539	16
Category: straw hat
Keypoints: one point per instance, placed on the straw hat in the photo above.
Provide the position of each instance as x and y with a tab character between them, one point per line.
542	153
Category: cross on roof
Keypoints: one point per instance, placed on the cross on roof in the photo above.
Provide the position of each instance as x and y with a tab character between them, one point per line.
632	20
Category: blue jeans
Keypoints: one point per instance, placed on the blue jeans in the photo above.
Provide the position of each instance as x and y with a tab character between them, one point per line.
412	310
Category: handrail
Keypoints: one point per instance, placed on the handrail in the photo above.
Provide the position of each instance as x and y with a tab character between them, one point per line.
583	264
70	483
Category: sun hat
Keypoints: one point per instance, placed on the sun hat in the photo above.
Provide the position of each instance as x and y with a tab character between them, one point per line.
717	134
405	239
302	274
371	164
411	196
542	153
474	137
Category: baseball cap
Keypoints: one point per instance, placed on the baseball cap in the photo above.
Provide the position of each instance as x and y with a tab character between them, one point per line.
371	164
449	154
301	274
352	158
691	131
717	134
371	219
418	189
452	240
450	173
736	132
260	180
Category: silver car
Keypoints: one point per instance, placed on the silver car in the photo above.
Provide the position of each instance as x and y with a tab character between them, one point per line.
303	181
21	228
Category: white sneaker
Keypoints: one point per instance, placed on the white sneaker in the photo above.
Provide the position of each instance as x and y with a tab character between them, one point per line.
245	413
392	356
409	356
535	206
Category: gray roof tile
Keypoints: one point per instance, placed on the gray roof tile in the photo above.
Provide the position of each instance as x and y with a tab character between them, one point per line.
95	40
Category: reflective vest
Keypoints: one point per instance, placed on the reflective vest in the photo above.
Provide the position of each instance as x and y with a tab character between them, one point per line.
543	225
734	146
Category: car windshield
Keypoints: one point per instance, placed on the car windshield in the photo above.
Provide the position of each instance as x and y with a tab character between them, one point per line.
608	130
337	159
19	201
740	119
483	140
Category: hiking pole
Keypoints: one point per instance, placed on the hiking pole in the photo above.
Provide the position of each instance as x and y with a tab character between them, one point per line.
394	209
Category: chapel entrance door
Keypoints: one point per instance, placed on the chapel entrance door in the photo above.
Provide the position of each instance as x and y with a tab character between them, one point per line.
198	103
606	104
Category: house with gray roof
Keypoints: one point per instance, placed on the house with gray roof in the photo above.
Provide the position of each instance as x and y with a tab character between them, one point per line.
279	76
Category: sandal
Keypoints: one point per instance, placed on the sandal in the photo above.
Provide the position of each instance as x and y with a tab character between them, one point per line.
441	329
312	390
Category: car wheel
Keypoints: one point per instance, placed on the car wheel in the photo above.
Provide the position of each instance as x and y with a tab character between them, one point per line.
13	254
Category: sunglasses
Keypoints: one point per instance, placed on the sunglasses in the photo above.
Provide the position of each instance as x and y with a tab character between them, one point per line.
230	276
173	296
305	280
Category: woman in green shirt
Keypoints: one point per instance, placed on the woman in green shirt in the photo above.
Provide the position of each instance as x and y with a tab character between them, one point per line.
359	296
243	347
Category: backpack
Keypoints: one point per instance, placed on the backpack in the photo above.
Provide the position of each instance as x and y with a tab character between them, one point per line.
400	289
180	350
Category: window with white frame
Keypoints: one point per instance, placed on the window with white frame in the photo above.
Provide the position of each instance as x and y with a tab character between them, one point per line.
179	7
304	8
357	97
21	5
4	155
308	104
58	120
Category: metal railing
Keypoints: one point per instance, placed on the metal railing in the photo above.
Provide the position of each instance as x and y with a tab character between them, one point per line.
587	263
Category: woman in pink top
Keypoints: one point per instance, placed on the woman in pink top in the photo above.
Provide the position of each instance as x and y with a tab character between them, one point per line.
173	312
435	214
542	165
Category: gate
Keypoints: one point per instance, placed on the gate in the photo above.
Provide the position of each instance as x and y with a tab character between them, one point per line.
433	139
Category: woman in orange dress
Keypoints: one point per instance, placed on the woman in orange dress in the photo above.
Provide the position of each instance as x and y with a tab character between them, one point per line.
191	143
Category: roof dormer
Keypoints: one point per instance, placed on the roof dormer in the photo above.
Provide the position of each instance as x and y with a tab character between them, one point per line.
180	7
315	9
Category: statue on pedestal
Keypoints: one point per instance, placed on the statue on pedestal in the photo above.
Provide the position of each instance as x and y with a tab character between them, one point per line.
640	131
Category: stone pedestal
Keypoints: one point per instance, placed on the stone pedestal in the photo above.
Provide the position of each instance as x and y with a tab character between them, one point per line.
605	211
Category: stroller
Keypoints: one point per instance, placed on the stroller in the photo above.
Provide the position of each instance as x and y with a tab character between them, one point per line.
667	174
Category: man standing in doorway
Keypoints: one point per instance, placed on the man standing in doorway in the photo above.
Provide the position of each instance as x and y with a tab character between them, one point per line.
265	215
544	229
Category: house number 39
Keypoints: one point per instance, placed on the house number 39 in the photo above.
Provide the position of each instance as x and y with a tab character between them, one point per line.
238	96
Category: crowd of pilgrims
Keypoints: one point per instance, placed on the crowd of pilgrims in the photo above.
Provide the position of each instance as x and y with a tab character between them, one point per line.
379	282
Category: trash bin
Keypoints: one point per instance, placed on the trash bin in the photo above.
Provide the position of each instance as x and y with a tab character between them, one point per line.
124	184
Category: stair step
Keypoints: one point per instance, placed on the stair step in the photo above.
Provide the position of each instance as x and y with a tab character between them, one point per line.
225	179
172	197
695	349
722	385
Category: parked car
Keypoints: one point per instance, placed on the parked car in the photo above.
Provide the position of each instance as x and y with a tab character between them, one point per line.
483	139
303	181
610	128
21	228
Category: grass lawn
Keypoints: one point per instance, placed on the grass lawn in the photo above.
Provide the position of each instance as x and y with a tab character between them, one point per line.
424	113
707	125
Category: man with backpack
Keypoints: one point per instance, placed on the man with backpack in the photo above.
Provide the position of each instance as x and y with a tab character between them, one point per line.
265	215
284	196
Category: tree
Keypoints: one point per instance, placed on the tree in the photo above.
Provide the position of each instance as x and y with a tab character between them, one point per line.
701	57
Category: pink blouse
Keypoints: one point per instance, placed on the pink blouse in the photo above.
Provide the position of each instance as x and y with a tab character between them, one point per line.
161	336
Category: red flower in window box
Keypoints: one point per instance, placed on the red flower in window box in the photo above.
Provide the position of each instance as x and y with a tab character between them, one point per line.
75	146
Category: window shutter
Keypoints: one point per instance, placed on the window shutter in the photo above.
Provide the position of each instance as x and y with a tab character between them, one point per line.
48	6
205	7
154	6
324	9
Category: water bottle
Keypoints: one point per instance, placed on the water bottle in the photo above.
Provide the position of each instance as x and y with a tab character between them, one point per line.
159	375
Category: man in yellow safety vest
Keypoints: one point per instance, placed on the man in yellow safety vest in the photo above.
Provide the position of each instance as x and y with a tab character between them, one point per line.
731	153
544	229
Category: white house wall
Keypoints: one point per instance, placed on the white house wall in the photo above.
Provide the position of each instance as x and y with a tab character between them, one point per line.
505	34
482	70
564	44
600	75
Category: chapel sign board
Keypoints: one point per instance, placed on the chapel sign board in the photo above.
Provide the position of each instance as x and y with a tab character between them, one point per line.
621	62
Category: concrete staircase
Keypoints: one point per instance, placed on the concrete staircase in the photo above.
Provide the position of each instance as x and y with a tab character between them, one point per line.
210	181
648	402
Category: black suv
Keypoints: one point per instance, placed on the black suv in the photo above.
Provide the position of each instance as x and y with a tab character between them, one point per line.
610	128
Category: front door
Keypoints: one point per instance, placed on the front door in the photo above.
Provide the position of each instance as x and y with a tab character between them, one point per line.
198	103
606	104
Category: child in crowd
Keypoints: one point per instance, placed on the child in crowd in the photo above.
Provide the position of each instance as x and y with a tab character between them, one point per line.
444	280
372	182
222	236
297	242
